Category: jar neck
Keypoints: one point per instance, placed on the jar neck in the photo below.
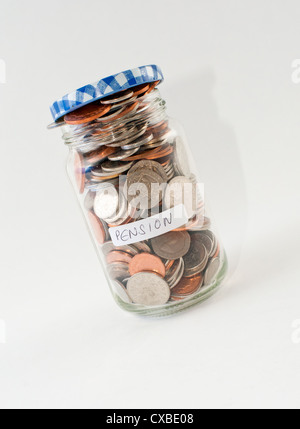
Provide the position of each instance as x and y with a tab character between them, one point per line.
123	122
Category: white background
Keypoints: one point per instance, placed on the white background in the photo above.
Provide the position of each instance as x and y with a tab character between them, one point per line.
227	69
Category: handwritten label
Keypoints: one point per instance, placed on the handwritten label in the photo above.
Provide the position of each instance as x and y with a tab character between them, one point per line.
149	228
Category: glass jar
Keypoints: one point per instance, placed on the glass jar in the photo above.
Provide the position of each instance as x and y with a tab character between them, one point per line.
140	193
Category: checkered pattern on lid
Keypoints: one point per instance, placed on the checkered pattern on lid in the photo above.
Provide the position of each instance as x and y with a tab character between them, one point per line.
105	87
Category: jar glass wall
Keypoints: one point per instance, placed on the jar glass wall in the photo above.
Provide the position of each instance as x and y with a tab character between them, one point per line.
140	193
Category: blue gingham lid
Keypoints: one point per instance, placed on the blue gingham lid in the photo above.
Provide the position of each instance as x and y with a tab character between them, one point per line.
105	87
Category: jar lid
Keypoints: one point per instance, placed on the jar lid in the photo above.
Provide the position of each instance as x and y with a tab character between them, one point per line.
105	87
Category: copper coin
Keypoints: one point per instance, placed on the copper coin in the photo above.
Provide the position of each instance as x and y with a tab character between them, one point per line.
86	114
123	112
141	89
156	153
118	256
169	264
160	154
173	245
147	262
79	171
152	87
100	155
97	227
188	286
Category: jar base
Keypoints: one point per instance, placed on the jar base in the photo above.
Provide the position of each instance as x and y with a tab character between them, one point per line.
175	307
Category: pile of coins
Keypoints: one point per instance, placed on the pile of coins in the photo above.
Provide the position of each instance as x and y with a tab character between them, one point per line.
179	264
123	146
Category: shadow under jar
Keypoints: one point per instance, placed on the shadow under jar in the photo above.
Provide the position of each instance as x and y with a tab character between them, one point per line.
138	187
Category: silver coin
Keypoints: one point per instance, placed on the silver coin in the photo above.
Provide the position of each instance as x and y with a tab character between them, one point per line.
115	138
177	275
182	190
142	247
211	271
122	154
173	245
121	214
128	138
196	259
118	271
106	202
116	167
57	124
173	271
111	115
148	289
214	240
98	173
94	185
125	102
109	247
206	240
203	225
144	189
149	165
138	143
117	98
121	291
89	200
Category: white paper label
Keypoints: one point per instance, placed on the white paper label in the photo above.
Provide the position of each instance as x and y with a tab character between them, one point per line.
149	228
